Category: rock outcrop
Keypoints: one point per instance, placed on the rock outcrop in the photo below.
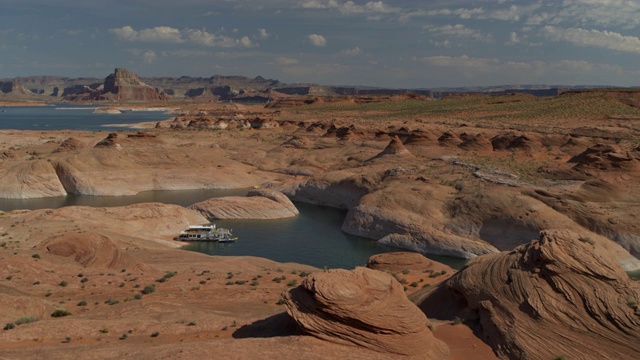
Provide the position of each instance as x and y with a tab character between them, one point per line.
258	204
362	307
394	149
32	179
399	261
90	250
562	286
71	144
122	85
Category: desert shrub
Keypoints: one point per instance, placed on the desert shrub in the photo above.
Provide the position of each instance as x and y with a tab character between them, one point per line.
60	313
137	296
25	320
36	256
148	289
230	283
167	276
458	320
111	301
405	271
82	303
9	326
303	274
84	280
255	283
9	277
123	337
63	283
240	282
104	330
155	334
292	283
414	284
192	323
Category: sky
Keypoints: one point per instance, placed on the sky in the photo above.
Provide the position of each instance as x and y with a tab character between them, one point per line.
389	43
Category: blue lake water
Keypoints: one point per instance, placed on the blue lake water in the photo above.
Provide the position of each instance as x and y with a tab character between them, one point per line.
70	117
314	237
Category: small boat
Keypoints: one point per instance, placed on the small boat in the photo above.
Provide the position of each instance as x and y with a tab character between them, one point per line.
206	233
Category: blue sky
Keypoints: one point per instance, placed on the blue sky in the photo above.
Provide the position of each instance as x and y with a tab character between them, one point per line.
403	44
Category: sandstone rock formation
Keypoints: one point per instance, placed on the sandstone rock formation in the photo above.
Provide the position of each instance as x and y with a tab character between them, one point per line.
394	149
362	307
32	179
122	85
71	144
90	250
559	295
258	204
400	260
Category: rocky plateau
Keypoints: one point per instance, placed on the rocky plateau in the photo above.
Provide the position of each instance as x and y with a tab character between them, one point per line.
477	177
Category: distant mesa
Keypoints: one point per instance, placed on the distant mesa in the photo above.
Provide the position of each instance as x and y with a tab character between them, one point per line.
13	87
122	85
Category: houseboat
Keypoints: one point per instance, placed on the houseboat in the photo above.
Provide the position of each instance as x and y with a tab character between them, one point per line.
206	233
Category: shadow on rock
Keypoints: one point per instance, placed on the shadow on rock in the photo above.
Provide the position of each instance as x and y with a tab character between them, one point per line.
273	326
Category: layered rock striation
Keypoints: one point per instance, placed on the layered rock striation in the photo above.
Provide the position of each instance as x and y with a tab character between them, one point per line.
559	295
258	204
365	308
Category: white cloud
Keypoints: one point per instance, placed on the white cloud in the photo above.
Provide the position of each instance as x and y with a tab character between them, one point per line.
459	31
281	60
166	34
319	4
463	61
200	37
356	51
160	34
263	34
246	42
149	56
594	38
351	7
513	38
317	40
126	33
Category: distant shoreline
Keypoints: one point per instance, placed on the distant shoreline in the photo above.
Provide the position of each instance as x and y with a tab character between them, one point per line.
21	103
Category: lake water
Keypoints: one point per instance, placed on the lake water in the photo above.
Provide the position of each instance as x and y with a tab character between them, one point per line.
70	117
314	237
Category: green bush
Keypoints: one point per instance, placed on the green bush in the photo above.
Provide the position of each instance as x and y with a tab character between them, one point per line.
148	289
63	283
25	320
60	313
9	326
82	303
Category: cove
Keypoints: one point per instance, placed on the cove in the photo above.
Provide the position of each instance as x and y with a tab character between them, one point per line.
313	237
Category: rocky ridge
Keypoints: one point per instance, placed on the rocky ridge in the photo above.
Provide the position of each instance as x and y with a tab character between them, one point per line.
558	287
